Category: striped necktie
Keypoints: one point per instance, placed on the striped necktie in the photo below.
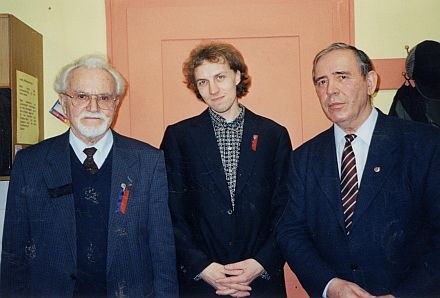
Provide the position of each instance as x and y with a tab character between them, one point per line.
349	182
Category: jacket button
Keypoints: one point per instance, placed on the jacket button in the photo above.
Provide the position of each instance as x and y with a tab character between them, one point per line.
73	276
230	212
354	267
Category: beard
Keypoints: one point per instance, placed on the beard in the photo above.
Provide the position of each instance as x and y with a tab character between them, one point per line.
94	131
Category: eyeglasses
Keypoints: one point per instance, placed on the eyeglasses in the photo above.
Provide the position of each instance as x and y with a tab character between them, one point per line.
81	99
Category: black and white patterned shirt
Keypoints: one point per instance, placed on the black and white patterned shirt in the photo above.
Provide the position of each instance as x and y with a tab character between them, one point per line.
229	135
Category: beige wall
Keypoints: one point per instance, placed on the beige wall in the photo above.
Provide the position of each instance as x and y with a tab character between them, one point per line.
384	27
70	28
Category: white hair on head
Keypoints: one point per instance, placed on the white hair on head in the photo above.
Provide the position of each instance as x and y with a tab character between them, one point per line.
89	62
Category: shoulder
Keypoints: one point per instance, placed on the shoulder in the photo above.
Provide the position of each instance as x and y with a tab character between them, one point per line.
409	130
41	149
266	124
182	131
261	120
129	144
324	137
186	123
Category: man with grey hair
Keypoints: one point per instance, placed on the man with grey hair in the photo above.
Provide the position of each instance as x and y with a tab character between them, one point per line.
363	214
87	211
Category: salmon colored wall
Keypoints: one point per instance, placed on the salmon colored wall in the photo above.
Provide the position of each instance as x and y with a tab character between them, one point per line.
149	50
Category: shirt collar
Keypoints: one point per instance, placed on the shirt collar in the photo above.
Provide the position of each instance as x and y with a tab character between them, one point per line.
219	120
364	132
103	146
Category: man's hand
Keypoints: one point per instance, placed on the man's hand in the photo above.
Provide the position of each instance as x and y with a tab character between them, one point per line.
240	274
340	288
216	271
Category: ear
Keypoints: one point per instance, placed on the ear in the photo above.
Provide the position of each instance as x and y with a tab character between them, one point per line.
372	82
64	102
237	77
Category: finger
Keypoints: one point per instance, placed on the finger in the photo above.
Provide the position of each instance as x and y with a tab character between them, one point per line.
236	286
362	293
220	287
240	279
227	292
233	293
232	271
242	294
235	266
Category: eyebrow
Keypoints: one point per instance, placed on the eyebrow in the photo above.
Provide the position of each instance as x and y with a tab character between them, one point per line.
319	78
219	73
339	72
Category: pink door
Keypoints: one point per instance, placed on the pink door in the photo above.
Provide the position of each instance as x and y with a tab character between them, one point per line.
149	40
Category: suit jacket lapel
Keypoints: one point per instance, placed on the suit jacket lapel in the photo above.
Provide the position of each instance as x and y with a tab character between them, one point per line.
247	154
379	163
326	171
57	174
123	162
205	142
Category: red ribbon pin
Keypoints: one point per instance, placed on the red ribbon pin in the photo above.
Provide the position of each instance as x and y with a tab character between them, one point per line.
254	142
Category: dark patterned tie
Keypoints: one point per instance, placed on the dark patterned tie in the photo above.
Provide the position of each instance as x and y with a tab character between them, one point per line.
349	182
89	163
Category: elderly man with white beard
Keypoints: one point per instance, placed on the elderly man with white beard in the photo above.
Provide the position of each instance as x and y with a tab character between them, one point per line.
87	211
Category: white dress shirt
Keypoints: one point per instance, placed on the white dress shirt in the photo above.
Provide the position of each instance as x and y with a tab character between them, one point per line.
360	145
103	146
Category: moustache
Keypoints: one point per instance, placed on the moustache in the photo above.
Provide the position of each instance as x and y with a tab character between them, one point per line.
98	115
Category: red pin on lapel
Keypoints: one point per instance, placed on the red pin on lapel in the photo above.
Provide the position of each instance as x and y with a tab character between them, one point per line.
254	142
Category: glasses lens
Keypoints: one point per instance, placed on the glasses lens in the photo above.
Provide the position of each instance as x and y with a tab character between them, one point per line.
105	101
80	99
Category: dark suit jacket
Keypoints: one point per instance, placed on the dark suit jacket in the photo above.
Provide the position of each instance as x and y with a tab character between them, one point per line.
39	240
206	230
394	245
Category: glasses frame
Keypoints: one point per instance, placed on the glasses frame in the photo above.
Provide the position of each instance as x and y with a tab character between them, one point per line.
81	103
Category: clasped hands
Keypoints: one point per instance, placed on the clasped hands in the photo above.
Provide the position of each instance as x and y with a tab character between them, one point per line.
232	279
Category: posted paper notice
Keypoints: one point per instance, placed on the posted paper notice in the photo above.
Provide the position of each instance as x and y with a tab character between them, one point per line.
27	109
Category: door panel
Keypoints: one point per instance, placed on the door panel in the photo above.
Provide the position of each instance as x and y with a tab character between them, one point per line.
149	40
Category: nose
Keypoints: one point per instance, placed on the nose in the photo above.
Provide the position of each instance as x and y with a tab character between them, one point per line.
93	103
332	87
213	88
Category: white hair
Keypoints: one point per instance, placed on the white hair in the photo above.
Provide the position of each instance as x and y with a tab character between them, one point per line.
89	61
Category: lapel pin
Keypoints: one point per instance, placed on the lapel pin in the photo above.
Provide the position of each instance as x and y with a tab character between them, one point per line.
376	169
254	142
123	197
